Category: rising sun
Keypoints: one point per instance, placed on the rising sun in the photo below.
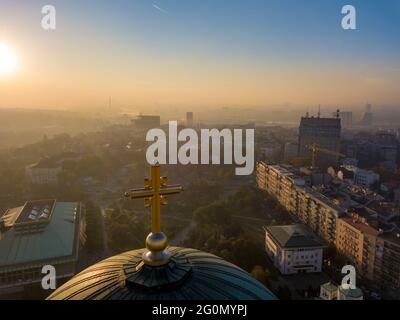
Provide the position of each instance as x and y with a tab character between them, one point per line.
8	60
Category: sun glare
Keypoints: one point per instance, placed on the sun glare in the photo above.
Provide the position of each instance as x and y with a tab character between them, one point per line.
8	60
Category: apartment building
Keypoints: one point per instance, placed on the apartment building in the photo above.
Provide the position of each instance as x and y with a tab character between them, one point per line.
356	239
312	208
387	263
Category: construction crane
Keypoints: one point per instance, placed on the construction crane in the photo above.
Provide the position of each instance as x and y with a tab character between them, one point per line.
315	149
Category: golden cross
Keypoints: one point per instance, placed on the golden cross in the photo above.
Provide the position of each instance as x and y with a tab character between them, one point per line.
154	193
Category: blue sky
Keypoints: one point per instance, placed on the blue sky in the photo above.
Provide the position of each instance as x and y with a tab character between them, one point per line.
247	35
249	27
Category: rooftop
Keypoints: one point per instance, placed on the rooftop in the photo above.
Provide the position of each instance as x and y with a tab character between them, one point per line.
316	122
329	287
363	227
353	293
35	211
45	163
55	240
190	275
293	236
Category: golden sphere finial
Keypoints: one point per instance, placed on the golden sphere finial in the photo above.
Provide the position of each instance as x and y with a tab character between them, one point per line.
158	254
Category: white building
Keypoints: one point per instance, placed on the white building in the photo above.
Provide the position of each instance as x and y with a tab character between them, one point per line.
329	291
45	172
293	249
363	178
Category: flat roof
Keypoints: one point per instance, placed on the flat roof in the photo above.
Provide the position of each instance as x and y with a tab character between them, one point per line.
359	225
10	216
293	236
56	240
353	293
49	163
329	287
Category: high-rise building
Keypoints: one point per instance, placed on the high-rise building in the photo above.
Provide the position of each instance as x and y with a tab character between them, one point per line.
325	133
189	119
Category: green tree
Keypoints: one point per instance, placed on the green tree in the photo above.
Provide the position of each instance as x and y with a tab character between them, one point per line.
258	273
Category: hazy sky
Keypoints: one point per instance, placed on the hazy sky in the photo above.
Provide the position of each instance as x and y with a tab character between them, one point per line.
201	52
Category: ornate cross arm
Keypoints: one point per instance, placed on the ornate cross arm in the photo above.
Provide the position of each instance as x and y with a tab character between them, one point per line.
155	194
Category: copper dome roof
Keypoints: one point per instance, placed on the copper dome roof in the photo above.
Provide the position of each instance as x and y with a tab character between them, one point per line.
190	275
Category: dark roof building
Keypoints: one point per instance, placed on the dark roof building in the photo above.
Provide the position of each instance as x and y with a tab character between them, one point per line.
293	236
293	249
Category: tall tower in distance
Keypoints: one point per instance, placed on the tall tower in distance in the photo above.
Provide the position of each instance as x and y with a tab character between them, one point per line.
325	133
367	117
189	119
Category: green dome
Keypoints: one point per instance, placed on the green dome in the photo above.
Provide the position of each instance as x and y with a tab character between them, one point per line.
189	275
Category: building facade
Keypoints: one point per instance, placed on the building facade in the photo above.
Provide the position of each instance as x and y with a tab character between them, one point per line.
364	178
325	133
310	207
329	291
293	249
387	263
357	241
45	172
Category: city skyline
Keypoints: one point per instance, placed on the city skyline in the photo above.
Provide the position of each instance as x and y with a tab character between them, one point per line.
170	52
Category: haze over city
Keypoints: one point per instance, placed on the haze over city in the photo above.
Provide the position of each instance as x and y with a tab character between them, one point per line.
202	150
